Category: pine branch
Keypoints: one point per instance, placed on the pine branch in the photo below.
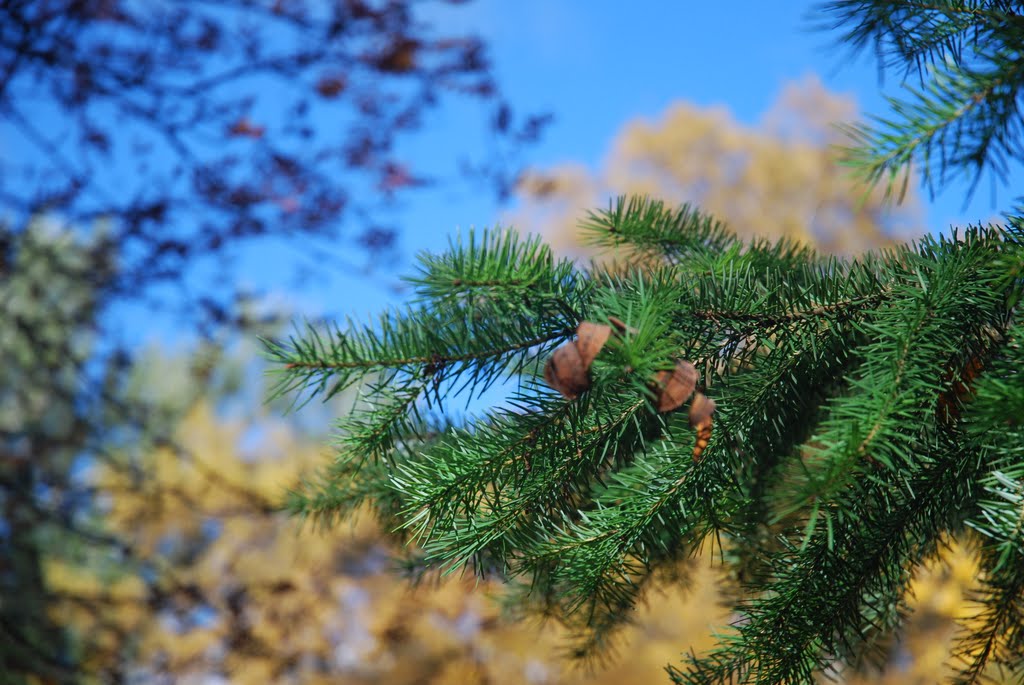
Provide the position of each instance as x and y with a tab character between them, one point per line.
995	633
857	400
482	327
500	265
914	35
915	335
466	483
855	572
650	227
965	118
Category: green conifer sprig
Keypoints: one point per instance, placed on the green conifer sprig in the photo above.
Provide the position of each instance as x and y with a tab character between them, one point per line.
995	421
846	447
965	117
477	310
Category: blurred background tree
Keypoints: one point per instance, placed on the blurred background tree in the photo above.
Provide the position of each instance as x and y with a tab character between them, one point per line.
244	597
190	127
50	291
783	177
145	145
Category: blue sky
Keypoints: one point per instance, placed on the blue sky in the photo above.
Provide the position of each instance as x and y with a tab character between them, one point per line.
596	65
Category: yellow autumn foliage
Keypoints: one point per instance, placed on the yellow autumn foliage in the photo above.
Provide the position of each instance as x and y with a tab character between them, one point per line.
256	599
243	593
782	177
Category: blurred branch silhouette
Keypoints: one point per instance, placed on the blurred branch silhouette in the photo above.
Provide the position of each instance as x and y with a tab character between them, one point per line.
191	125
142	139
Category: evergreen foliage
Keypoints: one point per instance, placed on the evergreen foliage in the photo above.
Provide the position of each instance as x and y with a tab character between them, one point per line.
965	116
869	411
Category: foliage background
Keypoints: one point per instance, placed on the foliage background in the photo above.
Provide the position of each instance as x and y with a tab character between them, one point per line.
193	576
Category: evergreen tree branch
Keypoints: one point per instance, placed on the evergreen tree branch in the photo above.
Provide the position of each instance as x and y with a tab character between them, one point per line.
842	454
995	418
965	118
467	483
914	338
482	327
853	573
910	34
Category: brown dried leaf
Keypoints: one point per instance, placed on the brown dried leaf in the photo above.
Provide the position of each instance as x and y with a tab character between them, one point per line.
675	387
331	86
591	337
620	326
566	373
246	128
701	410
